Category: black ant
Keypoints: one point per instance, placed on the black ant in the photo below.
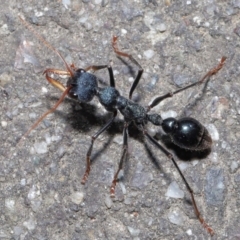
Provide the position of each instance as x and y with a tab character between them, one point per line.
187	133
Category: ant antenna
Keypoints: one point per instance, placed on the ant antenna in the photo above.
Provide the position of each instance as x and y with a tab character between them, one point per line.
40	38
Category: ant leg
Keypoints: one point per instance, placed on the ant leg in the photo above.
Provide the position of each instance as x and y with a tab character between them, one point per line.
89	152
123	157
54	82
213	71
170	156
65	93
110	71
123	54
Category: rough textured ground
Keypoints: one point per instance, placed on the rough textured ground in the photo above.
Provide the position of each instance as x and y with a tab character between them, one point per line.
176	42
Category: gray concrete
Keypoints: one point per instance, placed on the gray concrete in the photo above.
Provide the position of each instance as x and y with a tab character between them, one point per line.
176	42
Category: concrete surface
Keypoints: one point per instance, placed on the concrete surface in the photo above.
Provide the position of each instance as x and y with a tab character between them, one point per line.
176	42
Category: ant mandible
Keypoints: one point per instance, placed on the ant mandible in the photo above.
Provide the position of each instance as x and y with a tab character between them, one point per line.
187	133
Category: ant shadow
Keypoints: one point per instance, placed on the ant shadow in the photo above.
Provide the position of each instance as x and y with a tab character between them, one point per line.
181	153
194	103
131	70
85	118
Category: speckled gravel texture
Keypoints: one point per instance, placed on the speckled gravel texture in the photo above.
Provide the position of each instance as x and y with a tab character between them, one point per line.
176	42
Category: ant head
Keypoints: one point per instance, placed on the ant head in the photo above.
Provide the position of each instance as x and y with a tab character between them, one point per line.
72	81
83	85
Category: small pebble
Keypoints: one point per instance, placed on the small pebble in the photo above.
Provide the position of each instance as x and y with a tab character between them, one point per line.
168	114
131	79
214	157
118	140
32	115
124	191
20	105
23	182
77	197
197	20
234	166
44	90
30	224
183	166
149	53
88	26
174	191
33	193
152	131
83	19
48	138
56	138
134	232
195	162
4	124
10	204
123	31
4	29
177	217
151	86
108	201
39	14
61	151
213	132
225	145
162	27
66	3
41	147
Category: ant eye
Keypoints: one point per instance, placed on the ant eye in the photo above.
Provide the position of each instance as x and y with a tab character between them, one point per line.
80	70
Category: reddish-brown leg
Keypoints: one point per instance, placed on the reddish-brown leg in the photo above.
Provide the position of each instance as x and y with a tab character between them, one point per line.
122	160
213	71
89	152
170	156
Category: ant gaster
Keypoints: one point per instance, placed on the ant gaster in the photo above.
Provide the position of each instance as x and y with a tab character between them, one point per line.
187	133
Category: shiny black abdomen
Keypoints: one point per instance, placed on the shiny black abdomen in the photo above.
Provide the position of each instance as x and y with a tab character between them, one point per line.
187	133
